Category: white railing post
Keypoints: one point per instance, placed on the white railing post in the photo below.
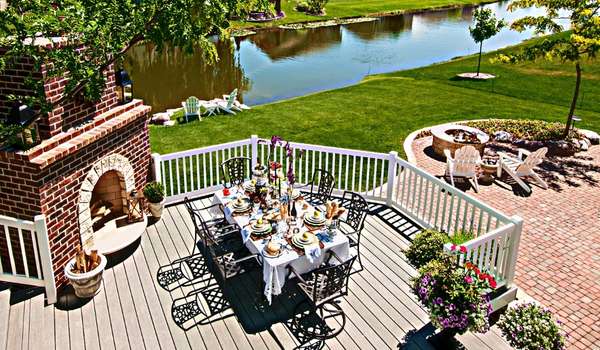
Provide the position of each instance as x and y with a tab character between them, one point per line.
156	162
513	253
391	177
254	149
45	258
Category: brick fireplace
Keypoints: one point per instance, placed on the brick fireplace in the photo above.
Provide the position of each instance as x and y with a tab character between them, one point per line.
91	154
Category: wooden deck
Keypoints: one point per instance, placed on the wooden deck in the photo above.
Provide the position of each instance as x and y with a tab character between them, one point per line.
133	311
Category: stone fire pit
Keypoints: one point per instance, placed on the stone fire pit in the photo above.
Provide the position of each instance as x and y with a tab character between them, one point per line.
454	136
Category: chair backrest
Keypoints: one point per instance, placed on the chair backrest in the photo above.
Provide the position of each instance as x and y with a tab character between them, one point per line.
234	170
331	281
357	208
192	105
324	182
466	160
532	160
199	223
231	99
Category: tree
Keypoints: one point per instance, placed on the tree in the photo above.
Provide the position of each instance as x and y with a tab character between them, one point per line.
486	26
580	44
81	38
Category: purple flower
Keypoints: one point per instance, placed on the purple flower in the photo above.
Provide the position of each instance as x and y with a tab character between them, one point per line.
438	301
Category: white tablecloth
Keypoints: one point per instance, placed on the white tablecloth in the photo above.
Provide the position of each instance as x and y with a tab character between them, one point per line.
275	269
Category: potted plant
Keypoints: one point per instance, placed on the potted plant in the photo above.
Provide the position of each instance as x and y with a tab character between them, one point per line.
531	326
155	195
84	272
454	295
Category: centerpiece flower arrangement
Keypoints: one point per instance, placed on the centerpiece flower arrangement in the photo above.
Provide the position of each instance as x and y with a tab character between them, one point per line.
455	296
275	167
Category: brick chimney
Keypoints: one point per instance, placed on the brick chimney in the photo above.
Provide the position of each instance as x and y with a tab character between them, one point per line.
81	142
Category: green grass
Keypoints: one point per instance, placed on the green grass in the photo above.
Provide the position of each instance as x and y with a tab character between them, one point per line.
378	113
354	8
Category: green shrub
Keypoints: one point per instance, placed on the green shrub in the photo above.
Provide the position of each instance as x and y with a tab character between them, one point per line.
154	192
527	129
316	7
461	237
427	246
529	326
302	6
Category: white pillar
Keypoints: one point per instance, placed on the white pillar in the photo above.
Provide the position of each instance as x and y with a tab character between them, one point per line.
45	258
391	177
254	149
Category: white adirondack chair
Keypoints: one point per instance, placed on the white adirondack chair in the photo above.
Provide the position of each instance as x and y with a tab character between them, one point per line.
191	107
236	104
518	168
464	164
227	105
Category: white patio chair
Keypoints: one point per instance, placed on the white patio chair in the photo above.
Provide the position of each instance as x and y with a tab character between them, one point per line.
227	105
518	168
191	107
464	164
237	105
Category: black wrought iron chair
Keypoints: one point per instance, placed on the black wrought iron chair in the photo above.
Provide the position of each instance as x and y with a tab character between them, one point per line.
322	288
224	262
321	187
193	269
353	223
235	170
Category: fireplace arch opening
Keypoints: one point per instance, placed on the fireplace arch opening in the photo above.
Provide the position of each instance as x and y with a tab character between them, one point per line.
103	205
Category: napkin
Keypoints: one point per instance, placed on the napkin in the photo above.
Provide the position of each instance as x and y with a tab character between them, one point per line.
324	237
227	210
245	234
312	252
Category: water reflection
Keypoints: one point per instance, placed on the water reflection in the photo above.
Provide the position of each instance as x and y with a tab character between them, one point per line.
278	64
164	79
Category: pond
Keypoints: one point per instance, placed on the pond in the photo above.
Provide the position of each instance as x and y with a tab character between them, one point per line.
278	64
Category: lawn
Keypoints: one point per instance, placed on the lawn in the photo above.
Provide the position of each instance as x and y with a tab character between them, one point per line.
378	113
355	8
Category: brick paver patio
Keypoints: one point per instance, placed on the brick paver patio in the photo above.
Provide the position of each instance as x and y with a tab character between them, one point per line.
559	259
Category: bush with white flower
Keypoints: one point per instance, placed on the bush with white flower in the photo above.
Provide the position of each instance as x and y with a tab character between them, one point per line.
455	296
529	326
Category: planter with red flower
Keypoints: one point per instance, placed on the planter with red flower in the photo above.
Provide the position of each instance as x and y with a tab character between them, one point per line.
456	296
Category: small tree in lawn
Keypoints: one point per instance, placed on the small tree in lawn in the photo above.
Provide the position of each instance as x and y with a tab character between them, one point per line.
580	44
486	26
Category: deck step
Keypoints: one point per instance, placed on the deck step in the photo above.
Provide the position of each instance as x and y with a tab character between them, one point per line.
4	312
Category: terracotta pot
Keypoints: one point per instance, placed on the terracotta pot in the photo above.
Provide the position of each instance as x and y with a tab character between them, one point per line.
156	209
86	285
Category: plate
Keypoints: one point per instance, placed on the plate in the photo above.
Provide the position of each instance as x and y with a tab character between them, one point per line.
295	194
299	242
261	230
313	221
249	186
267	255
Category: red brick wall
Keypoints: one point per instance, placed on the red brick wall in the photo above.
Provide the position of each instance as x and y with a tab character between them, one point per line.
64	116
62	181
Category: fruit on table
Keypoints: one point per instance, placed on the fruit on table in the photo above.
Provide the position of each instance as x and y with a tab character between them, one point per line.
259	222
305	236
317	213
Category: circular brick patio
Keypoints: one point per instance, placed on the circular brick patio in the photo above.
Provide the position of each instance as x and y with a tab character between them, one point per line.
559	257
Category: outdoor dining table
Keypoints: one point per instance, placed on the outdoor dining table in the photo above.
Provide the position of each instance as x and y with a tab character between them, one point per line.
275	269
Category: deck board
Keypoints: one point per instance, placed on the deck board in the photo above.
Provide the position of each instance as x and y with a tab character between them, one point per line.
133	311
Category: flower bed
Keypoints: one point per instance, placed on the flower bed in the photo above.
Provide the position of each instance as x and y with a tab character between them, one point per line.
530	326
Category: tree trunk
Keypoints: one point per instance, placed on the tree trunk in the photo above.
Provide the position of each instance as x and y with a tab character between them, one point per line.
573	102
479	61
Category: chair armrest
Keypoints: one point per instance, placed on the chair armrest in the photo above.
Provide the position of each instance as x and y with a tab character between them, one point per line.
249	257
522	152
448	155
183	105
176	261
293	270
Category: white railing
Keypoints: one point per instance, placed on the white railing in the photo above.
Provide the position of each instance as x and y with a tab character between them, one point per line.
25	254
387	178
